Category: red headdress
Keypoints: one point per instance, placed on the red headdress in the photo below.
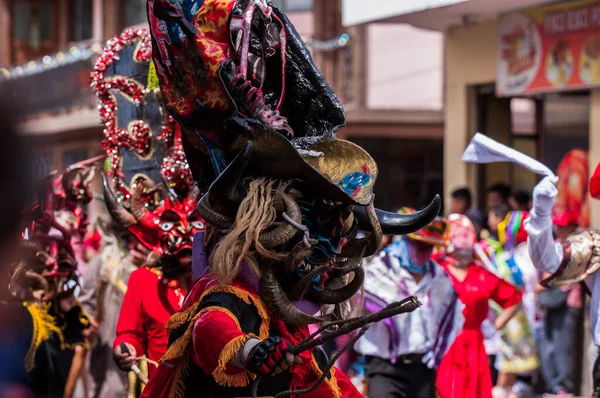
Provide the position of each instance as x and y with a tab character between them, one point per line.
154	196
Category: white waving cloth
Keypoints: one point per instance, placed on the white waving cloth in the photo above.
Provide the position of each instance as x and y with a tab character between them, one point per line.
483	149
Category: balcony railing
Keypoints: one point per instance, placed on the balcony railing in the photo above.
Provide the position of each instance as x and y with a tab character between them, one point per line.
54	84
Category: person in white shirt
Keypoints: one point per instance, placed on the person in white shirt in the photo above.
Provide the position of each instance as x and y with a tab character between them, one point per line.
401	353
570	260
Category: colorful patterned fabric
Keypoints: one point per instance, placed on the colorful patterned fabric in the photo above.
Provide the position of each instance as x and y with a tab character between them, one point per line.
429	330
518	352
511	231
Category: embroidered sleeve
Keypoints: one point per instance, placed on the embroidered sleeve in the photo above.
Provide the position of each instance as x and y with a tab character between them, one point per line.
217	340
217	327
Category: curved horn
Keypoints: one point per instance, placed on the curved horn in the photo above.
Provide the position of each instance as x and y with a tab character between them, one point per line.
277	301
298	251
67	178
138	208
303	286
22	272
39	279
18	272
376	236
286	230
336	296
400	224
89	174
116	210
223	190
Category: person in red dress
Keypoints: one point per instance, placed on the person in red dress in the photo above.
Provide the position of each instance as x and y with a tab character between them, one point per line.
464	370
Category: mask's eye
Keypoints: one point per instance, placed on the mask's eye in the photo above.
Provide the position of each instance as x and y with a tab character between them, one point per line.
166	225
198	224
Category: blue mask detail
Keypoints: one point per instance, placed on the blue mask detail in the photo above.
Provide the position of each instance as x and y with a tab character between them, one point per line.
353	181
322	223
399	249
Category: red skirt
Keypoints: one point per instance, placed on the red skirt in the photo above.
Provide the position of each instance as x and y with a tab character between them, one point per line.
464	371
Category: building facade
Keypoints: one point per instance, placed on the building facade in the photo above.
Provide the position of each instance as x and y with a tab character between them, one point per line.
522	72
392	98
543	116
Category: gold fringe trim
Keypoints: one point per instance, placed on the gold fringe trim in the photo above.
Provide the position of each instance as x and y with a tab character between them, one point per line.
43	327
220	309
247	298
178	386
180	318
331	381
230	350
177	349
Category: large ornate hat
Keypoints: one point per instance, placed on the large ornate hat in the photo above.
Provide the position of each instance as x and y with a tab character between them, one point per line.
284	196
152	192
433	233
237	77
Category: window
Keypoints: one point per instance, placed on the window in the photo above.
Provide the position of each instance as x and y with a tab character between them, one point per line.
33	29
75	155
293	5
411	179
135	12
523	116
566	125
82	19
42	165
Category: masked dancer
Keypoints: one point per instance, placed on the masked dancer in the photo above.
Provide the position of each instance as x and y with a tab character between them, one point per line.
149	192
464	370
45	279
403	352
568	261
284	203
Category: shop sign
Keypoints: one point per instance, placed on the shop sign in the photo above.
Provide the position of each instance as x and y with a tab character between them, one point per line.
552	48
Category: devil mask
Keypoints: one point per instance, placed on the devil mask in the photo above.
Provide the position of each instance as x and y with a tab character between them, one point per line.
55	220
148	185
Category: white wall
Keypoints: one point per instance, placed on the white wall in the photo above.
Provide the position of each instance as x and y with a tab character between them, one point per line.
404	67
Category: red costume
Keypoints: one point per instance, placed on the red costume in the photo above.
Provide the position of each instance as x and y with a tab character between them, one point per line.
464	370
148	189
150	301
218	321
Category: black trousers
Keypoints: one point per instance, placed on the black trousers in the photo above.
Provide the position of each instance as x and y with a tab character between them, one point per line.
404	379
